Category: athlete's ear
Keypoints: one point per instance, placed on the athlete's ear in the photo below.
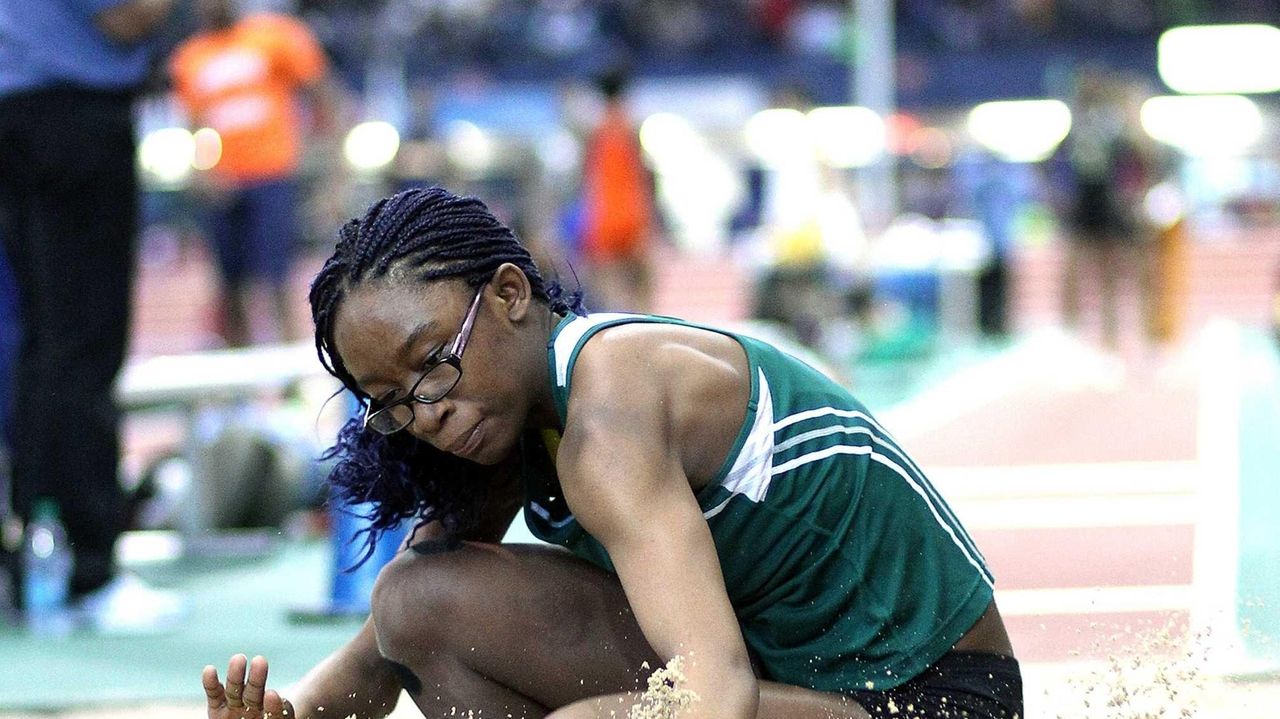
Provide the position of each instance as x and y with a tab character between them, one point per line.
513	291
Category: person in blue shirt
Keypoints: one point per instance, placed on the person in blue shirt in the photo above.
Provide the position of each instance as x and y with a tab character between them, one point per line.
69	70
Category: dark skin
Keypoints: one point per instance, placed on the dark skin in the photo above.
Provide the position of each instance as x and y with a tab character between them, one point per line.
562	638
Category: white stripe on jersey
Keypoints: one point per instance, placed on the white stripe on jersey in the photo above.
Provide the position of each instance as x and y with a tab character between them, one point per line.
816	433
568	339
884	439
749	476
812	413
882	459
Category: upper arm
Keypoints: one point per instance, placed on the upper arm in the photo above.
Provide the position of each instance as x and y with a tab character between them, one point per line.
624	481
355	680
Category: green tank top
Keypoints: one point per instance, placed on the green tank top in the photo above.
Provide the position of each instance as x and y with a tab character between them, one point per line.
845	567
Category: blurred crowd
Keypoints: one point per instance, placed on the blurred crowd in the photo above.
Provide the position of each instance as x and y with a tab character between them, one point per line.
510	34
270	99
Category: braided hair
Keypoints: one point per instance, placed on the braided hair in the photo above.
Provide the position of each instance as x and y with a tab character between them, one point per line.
419	235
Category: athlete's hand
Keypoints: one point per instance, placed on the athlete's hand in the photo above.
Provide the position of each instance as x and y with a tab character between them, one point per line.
241	699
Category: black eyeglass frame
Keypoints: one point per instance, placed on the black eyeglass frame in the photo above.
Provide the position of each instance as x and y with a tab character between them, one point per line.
453	359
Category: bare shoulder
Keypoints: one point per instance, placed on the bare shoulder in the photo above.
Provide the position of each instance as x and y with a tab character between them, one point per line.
682	388
655	358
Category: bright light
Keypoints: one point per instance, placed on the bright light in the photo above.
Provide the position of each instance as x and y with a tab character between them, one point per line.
1220	58
469	147
207	150
1203	125
694	184
667	137
559	152
779	137
167	154
700	194
1020	130
1164	205
371	146
847	136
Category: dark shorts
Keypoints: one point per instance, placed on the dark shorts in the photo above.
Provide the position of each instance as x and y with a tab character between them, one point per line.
960	685
252	231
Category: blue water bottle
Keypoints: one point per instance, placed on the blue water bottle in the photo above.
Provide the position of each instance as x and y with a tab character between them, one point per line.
46	572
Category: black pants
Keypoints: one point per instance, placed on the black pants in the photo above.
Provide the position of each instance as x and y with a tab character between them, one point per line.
960	685
68	219
993	293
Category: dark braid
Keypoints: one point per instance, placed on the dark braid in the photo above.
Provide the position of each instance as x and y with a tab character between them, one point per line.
418	235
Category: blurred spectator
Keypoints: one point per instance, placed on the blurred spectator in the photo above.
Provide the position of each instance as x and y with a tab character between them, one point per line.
811	247
995	192
242	76
8	353
617	207
68	217
1275	309
1110	171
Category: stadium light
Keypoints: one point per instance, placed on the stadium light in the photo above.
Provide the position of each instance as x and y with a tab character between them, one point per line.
667	137
848	136
779	137
207	148
1203	125
694	183
469	147
1020	130
1220	59
167	154
371	146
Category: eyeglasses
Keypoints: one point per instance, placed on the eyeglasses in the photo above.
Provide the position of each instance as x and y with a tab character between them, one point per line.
436	381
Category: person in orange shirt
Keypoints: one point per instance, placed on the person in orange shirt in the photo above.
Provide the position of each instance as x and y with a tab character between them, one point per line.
618	207
244	77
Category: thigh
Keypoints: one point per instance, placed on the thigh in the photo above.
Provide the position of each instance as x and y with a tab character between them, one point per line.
271	229
532	619
225	234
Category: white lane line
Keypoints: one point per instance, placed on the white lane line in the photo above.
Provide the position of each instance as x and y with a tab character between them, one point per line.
1217	545
1086	479
1155	510
1094	600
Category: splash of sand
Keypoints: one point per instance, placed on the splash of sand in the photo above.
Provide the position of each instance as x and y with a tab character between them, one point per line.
1162	678
664	698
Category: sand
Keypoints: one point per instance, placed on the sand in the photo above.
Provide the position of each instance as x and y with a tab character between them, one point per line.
664	698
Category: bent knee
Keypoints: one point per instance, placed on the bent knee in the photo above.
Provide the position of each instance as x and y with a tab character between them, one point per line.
421	598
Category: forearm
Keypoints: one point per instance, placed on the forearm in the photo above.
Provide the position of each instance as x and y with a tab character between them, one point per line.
353	681
723	692
132	21
738	699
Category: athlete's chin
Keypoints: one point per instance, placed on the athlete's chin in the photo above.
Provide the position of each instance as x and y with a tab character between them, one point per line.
493	446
